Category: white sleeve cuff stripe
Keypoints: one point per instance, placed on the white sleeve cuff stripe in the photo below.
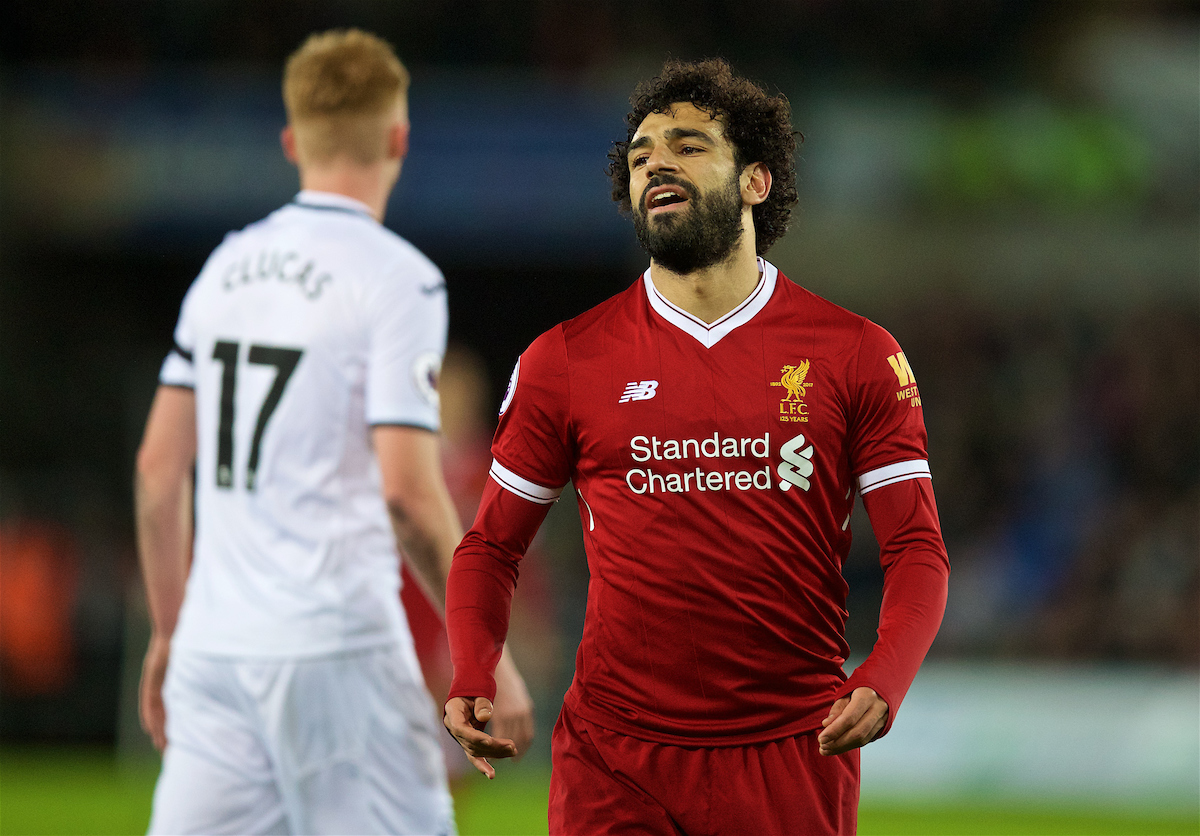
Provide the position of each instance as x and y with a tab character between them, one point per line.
893	473
523	487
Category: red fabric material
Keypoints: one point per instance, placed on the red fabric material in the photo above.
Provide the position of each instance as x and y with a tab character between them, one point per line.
480	587
606	782
429	634
916	571
465	462
715	483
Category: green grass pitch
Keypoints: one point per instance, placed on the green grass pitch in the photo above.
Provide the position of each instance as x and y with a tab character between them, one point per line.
82	791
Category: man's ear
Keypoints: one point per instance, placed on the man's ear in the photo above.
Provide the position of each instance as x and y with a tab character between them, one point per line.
398	141
756	183
287	138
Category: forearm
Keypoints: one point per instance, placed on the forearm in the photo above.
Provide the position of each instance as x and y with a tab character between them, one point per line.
481	585
478	603
427	530
914	599
419	505
164	535
916	570
163	503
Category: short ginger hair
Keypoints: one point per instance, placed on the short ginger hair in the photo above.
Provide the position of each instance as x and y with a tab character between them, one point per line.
757	124
340	89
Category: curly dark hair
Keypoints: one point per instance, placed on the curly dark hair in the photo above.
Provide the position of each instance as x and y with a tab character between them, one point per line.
757	124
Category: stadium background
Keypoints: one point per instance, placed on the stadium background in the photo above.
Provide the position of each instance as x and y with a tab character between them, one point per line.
1009	186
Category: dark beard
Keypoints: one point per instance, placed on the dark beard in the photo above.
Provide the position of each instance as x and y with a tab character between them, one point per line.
702	235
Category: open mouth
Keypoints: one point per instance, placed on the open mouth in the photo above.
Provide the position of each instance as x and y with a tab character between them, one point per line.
665	199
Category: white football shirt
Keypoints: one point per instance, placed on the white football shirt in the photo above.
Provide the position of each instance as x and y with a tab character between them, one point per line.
301	332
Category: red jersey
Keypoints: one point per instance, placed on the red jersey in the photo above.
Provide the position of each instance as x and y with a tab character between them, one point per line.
716	467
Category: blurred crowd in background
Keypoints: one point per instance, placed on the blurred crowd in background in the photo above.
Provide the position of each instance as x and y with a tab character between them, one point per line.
1011	187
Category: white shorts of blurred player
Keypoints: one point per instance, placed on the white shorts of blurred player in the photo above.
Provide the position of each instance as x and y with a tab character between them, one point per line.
341	744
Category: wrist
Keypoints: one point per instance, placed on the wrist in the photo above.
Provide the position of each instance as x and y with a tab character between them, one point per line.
160	639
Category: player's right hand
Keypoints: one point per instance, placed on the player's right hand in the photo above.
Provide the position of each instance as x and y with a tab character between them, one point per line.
151	711
465	718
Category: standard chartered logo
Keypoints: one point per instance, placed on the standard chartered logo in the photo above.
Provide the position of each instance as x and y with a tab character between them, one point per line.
710	473
797	464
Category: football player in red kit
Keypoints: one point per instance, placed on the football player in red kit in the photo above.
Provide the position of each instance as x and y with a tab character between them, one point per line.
716	420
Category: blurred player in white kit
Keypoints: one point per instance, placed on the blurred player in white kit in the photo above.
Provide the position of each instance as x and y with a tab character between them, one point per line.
280	681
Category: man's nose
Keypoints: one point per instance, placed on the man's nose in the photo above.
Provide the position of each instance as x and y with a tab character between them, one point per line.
659	161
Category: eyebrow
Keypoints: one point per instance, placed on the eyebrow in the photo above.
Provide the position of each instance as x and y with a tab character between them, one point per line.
672	134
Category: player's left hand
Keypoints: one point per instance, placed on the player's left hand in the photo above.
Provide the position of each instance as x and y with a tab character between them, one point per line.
853	721
512	714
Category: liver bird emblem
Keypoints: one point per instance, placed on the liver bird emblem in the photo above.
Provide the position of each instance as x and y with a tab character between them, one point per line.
793	380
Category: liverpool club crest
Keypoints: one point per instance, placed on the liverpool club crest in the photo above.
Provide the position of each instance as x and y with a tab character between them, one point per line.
792	378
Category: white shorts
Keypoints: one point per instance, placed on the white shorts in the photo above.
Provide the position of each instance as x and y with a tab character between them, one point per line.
342	744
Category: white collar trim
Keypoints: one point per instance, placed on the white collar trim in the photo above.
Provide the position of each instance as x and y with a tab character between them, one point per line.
312	197
710	333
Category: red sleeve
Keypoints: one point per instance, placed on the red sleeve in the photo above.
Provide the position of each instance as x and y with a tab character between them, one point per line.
532	461
887	424
533	438
916	569
480	587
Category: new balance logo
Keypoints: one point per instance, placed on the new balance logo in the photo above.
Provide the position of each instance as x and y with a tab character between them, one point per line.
635	391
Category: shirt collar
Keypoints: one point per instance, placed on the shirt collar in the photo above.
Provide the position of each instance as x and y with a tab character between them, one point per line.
710	333
313	199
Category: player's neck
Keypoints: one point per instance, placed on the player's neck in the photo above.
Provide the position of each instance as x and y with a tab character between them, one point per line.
370	185
712	292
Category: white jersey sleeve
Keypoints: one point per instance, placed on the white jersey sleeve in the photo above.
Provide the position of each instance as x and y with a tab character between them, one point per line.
179	367
407	326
